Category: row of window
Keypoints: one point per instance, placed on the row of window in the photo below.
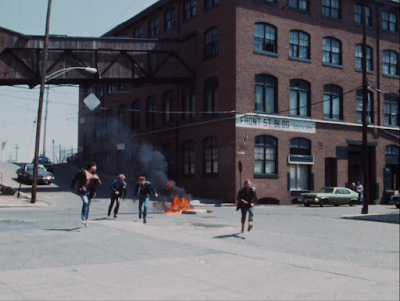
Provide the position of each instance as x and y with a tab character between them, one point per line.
266	41
189	11
332	9
266	102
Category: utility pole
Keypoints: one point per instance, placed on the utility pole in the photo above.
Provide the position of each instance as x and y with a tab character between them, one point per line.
40	108
45	122
365	184
16	152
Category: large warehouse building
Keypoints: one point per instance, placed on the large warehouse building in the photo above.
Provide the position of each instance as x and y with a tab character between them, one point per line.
276	98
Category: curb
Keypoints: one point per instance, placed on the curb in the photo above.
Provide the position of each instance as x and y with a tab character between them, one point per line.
7	190
376	217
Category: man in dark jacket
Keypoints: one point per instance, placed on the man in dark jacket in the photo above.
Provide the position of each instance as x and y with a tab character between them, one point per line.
118	189
143	188
246	199
87	180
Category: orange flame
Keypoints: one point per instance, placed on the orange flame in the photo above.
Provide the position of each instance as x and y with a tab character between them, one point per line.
179	205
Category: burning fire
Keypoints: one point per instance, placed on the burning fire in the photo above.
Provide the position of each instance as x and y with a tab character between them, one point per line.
179	205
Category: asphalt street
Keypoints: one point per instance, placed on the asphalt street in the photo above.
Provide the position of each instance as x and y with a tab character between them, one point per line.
292	253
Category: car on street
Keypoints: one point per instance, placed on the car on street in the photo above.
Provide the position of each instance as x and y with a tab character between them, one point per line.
395	199
25	173
46	162
330	196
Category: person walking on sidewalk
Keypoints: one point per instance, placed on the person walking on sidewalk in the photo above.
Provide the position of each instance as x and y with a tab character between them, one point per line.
88	181
118	189
246	199
143	188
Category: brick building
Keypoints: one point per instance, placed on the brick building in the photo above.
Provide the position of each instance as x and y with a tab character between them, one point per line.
278	90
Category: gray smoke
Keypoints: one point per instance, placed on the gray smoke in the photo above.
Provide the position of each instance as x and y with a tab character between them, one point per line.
152	164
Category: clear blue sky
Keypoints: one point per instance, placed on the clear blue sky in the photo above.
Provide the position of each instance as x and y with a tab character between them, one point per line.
19	105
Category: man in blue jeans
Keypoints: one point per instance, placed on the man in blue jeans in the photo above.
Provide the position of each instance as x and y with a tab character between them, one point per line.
143	188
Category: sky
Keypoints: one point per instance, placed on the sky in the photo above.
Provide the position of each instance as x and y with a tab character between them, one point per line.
19	104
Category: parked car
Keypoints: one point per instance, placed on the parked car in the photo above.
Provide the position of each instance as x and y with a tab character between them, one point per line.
395	199
46	162
330	196
25	173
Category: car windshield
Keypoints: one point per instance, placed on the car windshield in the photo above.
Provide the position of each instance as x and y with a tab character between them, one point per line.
326	190
30	168
43	160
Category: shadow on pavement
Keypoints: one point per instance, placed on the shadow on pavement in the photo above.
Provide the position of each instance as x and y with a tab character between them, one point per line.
235	235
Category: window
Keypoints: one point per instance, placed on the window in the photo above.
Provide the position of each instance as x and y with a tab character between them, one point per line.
391	109
108	122
265	155
359	55
121	117
135	115
299	4
211	43
333	102
138	32
169	19
188	158
359	14
389	21
188	102
331	9
210	4
299	45
265	38
266	94
168	101
153	28
168	152
210	156
189	9
151	111
390	63
300	174
359	106
391	174
300	103
97	126
211	97
332	51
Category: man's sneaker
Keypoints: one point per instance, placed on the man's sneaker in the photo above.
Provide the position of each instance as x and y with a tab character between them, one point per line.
115	216
144	221
140	216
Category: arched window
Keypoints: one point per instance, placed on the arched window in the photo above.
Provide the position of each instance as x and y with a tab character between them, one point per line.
210	145
391	109
265	155
169	18
188	158
333	102
299	45
300	102
266	94
211	43
265	38
359	55
389	21
189	9
359	106
151	111
359	13
168	105
332	51
135	115
390	63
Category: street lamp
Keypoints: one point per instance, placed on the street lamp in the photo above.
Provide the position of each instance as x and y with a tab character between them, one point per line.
44	80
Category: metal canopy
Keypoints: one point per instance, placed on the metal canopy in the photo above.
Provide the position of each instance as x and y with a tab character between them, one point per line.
118	60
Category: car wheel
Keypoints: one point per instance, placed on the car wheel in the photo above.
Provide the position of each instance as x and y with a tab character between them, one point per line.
337	205
307	204
323	202
353	203
398	206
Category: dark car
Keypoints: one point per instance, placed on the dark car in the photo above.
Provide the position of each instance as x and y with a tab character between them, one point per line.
395	199
330	195
46	162
25	173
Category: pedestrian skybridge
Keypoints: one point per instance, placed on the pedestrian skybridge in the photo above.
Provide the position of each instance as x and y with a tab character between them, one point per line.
118	60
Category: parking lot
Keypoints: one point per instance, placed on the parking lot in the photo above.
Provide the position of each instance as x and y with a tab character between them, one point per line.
292	253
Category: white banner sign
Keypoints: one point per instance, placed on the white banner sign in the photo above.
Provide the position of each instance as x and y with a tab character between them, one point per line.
279	124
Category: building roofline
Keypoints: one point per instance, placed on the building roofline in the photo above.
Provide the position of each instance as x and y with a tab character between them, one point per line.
137	17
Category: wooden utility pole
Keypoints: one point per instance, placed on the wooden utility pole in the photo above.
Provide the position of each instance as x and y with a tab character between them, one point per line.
40	108
364	117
